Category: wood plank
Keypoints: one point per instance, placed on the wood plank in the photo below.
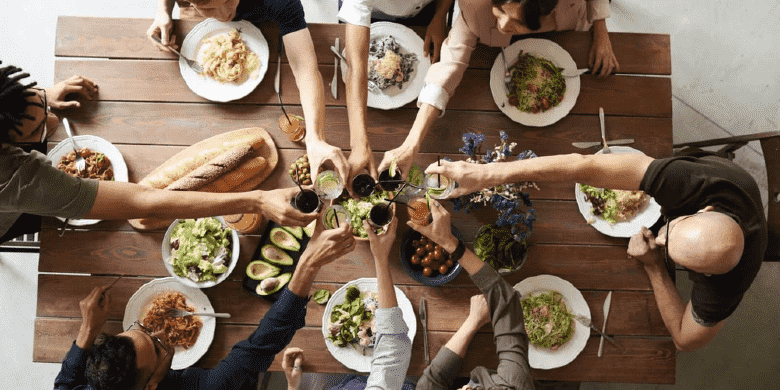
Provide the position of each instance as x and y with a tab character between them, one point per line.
645	360
185	124
160	81
79	36
635	313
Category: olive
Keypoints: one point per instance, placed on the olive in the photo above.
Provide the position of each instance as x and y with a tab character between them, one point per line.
420	252
443	269
423	240
449	263
429	247
415	260
438	247
415	243
426	261
427	271
438	255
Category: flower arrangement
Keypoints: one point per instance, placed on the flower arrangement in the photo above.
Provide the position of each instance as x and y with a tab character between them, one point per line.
508	199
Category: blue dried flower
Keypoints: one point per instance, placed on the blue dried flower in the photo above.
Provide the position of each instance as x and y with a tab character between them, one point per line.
504	135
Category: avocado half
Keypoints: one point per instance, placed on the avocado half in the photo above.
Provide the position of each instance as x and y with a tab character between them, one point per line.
281	280
296	231
259	270
284	239
274	255
309	230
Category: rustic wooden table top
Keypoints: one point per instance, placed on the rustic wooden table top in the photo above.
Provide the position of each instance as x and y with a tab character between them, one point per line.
148	112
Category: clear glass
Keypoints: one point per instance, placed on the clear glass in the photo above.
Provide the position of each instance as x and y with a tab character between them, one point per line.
438	186
335	216
329	185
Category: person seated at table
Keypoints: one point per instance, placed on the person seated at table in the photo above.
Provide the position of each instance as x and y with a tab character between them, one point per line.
31	187
392	346
714	224
494	23
357	15
141	359
299	49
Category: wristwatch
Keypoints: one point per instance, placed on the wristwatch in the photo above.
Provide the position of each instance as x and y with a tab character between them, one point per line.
459	251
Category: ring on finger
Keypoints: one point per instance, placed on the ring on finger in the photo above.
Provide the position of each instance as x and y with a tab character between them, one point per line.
296	367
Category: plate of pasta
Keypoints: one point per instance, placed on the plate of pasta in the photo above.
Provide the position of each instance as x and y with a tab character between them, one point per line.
549	305
190	336
234	57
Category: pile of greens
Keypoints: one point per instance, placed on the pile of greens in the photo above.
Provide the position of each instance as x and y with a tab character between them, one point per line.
497	247
359	209
348	318
200	249
547	320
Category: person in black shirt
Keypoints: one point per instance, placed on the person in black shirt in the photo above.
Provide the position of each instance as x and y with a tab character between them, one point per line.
715	225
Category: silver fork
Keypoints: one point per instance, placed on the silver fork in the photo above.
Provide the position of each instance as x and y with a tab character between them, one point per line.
606	149
80	163
193	64
176	313
507	75
587	322
371	85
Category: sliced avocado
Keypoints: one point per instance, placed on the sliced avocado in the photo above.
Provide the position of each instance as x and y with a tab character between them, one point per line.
284	239
281	280
259	270
275	255
309	230
296	231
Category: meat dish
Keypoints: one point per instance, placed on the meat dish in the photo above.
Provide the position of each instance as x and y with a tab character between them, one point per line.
97	165
181	331
387	65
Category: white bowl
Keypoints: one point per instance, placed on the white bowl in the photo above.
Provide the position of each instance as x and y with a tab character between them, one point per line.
166	253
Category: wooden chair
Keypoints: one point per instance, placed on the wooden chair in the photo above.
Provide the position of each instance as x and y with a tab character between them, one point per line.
770	145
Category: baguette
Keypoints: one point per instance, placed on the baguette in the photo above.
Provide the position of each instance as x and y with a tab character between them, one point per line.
212	170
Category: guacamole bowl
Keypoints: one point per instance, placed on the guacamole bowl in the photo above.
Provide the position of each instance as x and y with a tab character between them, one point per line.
204	253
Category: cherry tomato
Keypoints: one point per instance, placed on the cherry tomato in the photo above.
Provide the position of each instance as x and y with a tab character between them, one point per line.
449	263
438	247
429	247
423	240
426	261
443	269
415	259
438	255
427	271
420	252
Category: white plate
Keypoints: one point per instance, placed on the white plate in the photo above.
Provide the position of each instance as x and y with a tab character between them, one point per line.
99	145
539	48
140	302
647	218
205	86
349	356
394	97
543	358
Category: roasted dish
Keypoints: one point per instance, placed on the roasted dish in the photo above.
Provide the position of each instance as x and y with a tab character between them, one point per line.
182	331
98	166
387	65
537	84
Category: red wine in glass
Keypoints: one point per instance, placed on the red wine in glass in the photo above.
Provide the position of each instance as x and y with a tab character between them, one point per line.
306	201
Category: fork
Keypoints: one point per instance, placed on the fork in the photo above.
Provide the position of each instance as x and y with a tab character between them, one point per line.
176	313
193	64
507	75
606	149
587	322
80	163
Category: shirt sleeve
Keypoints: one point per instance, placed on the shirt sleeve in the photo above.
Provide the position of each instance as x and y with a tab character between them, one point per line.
71	376
442	372
288	13
444	76
597	10
357	12
392	351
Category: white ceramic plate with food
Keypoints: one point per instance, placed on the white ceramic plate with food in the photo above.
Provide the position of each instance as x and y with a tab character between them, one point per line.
348	355
544	358
539	48
141	301
194	46
393	97
99	145
647	217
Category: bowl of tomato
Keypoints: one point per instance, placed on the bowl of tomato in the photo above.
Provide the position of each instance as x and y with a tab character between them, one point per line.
426	261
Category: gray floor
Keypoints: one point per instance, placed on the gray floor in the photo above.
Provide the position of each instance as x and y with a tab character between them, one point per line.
725	82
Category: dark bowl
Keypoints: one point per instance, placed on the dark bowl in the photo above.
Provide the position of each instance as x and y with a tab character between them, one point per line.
407	250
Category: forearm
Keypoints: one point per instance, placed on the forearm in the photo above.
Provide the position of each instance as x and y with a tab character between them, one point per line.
426	116
165	6
600	28
86	337
470	262
442	7
459	343
357	79
387	298
303	277
668	299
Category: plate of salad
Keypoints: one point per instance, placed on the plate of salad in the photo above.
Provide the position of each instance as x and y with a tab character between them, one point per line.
348	326
358	210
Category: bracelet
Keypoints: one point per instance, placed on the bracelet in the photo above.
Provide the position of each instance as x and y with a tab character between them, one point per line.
459	251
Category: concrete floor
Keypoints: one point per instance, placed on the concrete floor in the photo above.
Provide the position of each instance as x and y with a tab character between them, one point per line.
725	82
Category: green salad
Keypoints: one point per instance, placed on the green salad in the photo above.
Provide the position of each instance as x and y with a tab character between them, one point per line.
352	322
548	322
200	249
358	210
614	205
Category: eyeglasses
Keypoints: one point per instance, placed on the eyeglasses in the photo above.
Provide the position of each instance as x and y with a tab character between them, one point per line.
142	328
45	115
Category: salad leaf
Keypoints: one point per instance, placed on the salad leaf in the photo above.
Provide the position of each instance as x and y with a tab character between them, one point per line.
393	168
359	210
416	175
321	296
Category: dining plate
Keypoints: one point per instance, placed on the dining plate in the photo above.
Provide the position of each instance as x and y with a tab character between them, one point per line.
540	48
193	48
394	97
544	358
99	145
647	218
141	301
350	356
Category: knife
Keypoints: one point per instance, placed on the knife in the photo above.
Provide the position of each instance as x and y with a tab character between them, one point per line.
334	85
585	145
607	303
424	321
574	73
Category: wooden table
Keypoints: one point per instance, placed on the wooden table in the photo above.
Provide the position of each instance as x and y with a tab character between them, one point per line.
148	112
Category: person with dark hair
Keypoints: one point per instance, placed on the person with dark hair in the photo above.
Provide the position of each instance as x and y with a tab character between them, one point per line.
494	23
140	358
299	49
31	187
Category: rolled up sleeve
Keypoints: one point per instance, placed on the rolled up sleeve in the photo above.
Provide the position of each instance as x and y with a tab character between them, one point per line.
357	12
392	351
597	10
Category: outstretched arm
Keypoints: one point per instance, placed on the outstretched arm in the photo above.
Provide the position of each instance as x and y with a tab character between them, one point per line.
437	30
162	26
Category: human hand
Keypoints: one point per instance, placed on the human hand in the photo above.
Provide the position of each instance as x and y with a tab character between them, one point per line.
161	27
94	310
328	245
291	365
602	60
642	247
381	244
79	85
275	205
359	160
319	152
470	177
435	35
404	158
479	312
440	230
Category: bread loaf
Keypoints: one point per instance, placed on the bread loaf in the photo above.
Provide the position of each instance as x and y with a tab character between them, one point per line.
212	170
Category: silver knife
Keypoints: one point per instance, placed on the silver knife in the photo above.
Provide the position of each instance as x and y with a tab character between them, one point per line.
334	84
424	321
574	73
585	145
587	322
607	303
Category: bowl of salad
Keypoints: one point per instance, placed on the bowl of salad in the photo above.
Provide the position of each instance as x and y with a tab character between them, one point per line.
201	252
358	210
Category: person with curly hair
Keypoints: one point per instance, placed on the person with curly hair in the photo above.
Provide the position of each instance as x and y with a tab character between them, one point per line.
31	187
